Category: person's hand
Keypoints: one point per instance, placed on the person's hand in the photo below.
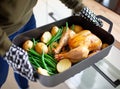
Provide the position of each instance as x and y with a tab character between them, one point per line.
17	58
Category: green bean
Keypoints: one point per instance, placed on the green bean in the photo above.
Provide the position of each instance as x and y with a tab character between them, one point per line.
48	59
50	63
73	27
43	61
55	37
52	69
66	25
35	62
51	73
33	52
51	58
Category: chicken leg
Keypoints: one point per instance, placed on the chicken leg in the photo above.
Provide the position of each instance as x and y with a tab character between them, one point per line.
75	54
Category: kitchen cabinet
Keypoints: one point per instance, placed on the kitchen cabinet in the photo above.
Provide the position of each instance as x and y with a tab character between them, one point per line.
46	11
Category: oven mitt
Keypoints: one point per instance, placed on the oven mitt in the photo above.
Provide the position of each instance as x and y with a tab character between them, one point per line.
87	14
17	58
79	9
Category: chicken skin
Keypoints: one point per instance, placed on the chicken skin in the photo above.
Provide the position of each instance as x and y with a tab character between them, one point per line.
80	45
74	55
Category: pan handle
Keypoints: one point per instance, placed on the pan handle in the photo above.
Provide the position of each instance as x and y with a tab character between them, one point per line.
108	21
113	83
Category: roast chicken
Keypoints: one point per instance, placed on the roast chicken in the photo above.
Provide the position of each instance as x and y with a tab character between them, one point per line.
80	45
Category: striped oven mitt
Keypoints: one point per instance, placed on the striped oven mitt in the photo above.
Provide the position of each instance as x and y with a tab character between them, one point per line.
17	58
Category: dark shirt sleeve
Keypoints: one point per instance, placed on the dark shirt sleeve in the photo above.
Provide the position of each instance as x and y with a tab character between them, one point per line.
75	5
5	43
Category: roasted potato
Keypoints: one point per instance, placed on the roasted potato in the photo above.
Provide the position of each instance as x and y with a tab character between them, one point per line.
41	47
42	71
46	36
54	30
104	45
27	45
63	65
76	28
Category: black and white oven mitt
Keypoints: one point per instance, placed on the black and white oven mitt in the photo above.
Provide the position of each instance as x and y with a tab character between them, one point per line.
87	14
17	58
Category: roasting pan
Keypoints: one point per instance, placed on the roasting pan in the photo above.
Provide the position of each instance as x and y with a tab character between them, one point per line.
56	79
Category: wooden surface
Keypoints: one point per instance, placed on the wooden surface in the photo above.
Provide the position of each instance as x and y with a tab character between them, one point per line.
98	9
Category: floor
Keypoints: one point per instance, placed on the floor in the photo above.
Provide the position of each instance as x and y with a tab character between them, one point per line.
11	84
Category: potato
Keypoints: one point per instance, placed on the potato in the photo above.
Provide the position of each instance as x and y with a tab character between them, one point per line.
63	65
104	45
41	47
42	71
46	36
77	28
27	45
54	30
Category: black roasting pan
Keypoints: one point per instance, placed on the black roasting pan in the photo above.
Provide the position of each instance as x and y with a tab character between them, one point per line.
56	79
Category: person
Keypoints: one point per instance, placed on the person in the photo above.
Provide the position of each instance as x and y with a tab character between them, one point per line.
4	68
16	17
